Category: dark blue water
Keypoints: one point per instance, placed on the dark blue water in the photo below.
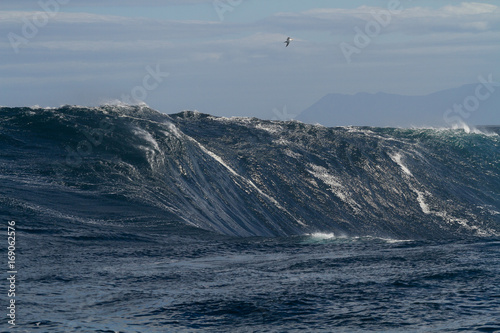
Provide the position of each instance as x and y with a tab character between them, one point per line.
130	220
147	280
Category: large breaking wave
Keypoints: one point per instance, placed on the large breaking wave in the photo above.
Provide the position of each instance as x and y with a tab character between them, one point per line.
134	166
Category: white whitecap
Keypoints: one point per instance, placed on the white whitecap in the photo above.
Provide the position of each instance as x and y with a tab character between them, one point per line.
322	235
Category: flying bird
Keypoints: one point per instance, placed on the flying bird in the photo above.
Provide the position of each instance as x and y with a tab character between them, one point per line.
288	40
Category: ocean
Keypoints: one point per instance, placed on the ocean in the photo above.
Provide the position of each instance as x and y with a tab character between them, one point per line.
125	219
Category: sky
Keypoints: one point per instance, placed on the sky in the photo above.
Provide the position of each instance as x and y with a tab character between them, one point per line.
227	57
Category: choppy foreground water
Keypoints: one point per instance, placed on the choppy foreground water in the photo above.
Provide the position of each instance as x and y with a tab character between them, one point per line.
119	280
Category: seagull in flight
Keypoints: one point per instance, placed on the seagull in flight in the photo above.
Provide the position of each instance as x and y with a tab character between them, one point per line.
288	40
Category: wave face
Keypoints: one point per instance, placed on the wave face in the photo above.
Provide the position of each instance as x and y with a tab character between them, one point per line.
246	177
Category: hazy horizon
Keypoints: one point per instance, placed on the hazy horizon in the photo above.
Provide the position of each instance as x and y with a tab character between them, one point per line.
227	58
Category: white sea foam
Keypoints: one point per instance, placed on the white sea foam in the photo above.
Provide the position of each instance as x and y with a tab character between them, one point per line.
282	142
270	128
147	137
292	154
335	184
322	235
469	129
395	241
120	103
421	201
397	159
174	130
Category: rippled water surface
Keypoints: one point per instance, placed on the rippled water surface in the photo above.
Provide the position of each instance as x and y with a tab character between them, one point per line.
145	282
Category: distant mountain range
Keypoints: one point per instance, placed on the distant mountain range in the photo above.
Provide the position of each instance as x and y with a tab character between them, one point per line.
473	104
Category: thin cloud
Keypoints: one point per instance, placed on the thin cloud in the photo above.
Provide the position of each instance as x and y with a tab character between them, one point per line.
465	17
28	5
